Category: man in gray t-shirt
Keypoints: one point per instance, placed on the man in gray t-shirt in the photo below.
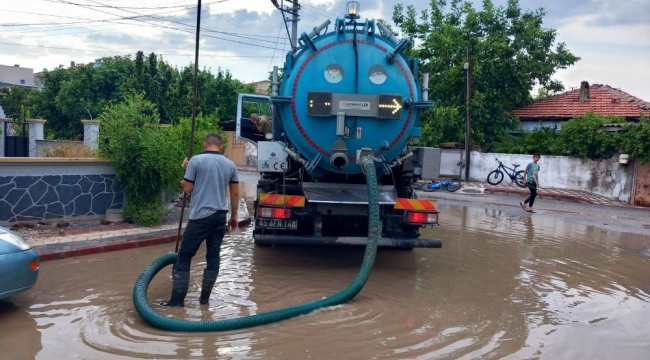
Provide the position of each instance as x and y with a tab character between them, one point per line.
207	176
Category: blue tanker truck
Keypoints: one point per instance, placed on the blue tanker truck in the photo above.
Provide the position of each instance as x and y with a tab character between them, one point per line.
345	92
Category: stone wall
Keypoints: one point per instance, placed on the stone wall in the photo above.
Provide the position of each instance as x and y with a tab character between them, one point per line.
54	188
602	177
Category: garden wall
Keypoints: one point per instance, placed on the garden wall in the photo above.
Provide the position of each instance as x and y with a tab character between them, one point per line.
602	177
50	188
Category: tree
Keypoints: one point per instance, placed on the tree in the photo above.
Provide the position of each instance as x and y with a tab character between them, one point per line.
543	93
270	78
13	99
57	125
84	91
511	52
81	92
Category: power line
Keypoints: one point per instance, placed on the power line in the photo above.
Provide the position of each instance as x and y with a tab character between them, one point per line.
85	20
145	8
173	28
122	52
321	10
114	21
273	57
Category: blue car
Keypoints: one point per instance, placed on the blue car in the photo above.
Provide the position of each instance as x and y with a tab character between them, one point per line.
19	264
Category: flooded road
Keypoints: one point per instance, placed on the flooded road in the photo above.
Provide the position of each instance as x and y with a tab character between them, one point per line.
504	285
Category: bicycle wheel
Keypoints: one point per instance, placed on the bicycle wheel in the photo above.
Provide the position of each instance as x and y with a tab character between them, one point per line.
453	186
428	187
495	177
519	178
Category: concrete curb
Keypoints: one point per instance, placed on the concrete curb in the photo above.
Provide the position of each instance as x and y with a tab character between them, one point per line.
91	247
90	250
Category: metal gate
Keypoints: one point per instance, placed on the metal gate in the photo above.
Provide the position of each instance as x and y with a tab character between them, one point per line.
16	139
451	163
641	184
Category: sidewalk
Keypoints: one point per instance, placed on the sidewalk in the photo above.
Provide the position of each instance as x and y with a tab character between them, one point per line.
576	196
76	239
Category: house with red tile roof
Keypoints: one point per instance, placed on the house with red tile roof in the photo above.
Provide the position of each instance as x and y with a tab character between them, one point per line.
602	99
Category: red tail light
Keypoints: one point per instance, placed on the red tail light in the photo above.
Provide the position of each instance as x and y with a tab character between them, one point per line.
421	218
275	213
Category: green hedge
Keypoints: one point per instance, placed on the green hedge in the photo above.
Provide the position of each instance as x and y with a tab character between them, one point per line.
148	157
583	137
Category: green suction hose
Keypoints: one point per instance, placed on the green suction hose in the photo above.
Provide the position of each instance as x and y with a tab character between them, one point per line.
159	321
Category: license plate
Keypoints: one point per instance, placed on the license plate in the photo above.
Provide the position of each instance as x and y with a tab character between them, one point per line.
282	224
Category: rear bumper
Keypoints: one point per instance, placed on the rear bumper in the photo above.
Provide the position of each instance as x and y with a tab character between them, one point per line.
344	240
15	273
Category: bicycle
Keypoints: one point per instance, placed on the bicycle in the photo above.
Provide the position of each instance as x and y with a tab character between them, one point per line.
495	177
452	185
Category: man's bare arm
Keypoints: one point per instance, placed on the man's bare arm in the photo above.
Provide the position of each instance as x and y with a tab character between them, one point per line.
234	200
525	175
187	186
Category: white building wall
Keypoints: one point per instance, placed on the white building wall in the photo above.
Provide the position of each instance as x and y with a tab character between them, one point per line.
16	75
604	177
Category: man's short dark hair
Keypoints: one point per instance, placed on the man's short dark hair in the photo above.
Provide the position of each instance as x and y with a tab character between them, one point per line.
213	139
537	154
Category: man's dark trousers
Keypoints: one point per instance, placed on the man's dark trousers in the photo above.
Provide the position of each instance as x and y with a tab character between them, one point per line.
211	229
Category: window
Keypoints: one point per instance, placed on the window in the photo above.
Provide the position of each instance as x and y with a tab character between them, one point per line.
377	74
22	81
334	73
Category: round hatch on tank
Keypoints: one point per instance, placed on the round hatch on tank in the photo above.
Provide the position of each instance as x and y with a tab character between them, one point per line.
334	73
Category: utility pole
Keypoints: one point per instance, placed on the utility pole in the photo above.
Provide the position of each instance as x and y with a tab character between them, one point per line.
294	24
194	97
468	121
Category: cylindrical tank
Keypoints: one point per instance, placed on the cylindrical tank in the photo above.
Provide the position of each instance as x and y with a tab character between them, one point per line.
330	80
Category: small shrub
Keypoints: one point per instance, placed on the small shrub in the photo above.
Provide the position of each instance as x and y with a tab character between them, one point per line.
148	214
636	141
70	149
147	157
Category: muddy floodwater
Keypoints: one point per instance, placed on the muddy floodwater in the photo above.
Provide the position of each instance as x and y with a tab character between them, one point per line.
503	286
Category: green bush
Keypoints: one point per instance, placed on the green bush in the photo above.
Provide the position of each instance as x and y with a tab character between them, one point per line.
636	141
147	157
542	140
144	214
583	137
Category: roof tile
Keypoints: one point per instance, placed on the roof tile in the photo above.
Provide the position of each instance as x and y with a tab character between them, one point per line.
603	100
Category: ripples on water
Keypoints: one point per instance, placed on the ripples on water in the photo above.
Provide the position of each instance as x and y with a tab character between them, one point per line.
502	286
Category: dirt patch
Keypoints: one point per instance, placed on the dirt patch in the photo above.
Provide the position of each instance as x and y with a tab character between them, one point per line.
47	229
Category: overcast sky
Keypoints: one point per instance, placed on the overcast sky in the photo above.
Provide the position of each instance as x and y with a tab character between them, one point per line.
611	36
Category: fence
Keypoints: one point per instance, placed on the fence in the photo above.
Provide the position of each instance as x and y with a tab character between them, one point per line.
603	177
50	188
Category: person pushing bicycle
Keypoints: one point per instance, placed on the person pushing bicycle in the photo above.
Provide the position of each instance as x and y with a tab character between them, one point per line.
531	180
